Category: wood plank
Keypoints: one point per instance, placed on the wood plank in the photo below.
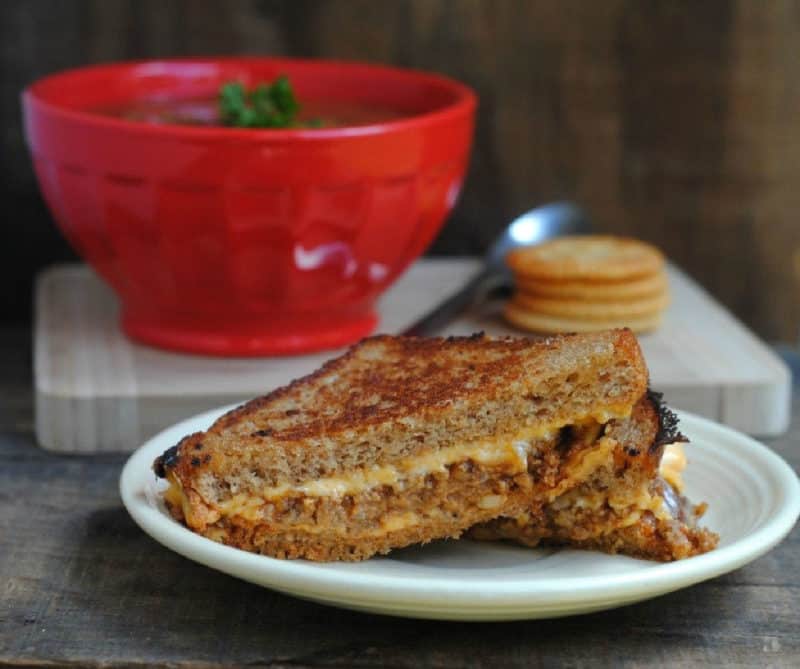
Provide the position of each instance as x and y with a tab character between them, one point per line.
96	391
81	585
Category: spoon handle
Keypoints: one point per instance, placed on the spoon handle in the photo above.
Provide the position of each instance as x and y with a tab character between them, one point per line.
454	305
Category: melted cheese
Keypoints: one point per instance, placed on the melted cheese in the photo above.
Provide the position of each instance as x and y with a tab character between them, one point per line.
673	462
512	452
176	498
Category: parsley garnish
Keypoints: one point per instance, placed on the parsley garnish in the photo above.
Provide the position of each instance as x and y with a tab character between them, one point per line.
266	106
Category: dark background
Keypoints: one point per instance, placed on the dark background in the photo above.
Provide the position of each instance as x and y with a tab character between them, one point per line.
676	121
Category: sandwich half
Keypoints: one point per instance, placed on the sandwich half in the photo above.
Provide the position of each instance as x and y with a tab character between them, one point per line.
630	502
406	440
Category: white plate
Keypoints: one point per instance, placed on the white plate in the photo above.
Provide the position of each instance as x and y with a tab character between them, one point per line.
753	497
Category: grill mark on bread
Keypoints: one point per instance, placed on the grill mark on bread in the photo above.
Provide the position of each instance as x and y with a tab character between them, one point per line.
435	386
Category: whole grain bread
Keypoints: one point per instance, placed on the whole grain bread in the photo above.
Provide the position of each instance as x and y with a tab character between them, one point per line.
394	397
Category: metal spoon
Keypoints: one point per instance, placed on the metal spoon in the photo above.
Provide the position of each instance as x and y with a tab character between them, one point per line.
537	225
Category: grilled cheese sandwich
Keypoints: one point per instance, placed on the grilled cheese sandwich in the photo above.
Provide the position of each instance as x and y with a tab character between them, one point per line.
406	440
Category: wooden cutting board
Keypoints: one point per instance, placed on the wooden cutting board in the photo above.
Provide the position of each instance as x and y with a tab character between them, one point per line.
96	391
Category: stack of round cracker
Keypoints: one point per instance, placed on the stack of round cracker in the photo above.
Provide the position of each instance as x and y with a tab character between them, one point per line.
592	282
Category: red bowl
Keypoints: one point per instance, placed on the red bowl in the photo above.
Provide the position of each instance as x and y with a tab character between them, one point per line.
248	242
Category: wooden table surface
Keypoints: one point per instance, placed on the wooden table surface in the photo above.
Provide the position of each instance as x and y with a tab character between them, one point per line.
81	585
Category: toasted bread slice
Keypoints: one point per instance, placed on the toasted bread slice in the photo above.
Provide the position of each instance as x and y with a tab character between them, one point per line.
402	440
625	505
